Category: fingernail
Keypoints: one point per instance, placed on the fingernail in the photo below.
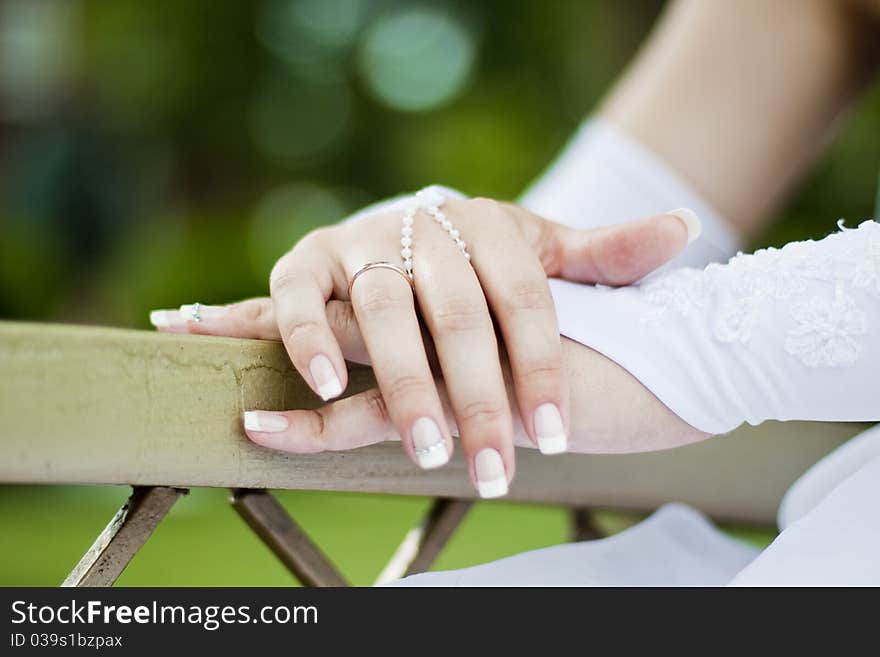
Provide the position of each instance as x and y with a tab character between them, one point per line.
190	310
491	476
265	421
166	319
428	444
691	222
325	377
549	430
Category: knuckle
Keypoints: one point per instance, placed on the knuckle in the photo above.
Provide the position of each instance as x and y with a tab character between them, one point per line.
314	238
255	310
528	294
376	407
316	430
540	372
541	237
297	331
483	412
341	317
406	387
483	204
283	277
460	315
488	209
378	300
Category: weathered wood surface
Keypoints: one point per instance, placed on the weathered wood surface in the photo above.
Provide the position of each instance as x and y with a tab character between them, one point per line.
87	405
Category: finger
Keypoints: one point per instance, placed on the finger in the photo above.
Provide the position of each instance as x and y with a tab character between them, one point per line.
300	285
349	423
622	254
625	253
516	288
610	255
457	317
384	307
255	319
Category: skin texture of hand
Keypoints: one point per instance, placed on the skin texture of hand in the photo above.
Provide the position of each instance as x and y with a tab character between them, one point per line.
611	411
459	306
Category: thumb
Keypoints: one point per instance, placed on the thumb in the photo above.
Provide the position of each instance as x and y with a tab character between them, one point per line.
623	253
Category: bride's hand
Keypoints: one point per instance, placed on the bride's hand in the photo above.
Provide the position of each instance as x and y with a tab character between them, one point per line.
513	252
611	411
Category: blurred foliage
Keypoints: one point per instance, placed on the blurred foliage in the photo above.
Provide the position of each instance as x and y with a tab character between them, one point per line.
153	154
156	153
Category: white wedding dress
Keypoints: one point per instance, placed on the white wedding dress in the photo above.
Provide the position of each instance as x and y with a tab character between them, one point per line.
830	535
779	334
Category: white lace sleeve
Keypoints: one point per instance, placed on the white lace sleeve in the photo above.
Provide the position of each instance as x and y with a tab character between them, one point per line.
786	334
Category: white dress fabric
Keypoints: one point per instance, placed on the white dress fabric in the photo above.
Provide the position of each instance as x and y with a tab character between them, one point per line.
837	541
834	542
778	334
811	488
676	546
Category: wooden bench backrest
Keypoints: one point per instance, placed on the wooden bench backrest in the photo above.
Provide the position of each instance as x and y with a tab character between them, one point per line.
86	405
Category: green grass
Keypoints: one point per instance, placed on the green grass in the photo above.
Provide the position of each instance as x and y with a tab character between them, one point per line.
203	542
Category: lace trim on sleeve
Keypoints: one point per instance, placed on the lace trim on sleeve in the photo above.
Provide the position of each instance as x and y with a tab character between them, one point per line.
817	285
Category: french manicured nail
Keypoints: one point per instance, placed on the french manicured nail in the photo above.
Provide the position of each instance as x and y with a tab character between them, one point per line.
429	444
691	222
325	377
198	311
264	421
166	319
491	476
549	430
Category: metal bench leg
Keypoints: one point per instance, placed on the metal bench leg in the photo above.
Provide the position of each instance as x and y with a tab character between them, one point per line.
123	536
422	545
265	515
583	525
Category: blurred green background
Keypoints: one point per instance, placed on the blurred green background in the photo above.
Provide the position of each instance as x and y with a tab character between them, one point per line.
153	154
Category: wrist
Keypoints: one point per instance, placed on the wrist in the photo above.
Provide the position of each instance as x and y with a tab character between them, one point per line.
613	412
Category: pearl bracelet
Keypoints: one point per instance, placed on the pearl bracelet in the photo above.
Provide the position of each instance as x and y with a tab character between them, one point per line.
430	200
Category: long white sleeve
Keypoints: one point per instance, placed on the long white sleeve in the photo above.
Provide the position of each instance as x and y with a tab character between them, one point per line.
786	334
